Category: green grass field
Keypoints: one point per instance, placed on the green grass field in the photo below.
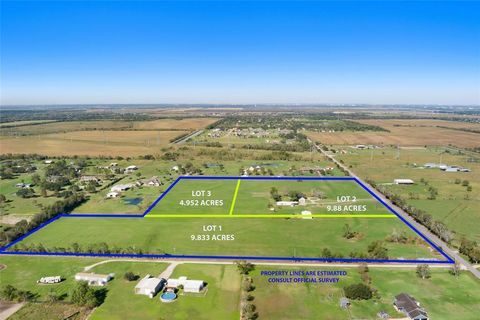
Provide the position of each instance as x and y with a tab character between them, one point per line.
454	205
220	302
252	236
443	295
223	284
247	197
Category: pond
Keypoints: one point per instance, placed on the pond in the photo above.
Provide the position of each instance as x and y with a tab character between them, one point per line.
133	201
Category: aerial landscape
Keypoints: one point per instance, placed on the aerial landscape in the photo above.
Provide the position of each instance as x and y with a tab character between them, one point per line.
239	160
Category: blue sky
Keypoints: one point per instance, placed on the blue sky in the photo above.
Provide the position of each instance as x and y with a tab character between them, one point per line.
240	52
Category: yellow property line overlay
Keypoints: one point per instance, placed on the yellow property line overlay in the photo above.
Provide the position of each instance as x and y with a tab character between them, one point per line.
298	216
234	197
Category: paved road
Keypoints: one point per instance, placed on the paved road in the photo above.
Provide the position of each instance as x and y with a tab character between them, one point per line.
174	263
437	241
186	138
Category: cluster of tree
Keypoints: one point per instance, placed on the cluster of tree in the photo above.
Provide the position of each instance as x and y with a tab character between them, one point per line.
98	247
248	308
61	206
348	233
86	296
341	125
437	227
70	114
10	293
13	167
25	193
244	267
294	147
401	237
130	276
189	169
364	274
359	291
423	271
375	250
471	249
170	156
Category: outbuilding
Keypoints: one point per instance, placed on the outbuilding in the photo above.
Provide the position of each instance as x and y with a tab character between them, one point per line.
149	286
403	181
94	279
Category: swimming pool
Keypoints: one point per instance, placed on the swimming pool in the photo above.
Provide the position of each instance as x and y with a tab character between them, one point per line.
168	297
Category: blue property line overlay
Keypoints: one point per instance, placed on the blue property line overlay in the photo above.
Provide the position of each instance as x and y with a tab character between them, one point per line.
3	249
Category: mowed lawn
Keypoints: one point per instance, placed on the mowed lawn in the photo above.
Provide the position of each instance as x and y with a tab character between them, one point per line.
223	283
252	236
220	302
254	197
192	196
443	295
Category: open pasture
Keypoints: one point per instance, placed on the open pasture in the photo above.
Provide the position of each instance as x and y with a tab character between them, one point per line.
405	133
175	124
454	205
237	237
91	143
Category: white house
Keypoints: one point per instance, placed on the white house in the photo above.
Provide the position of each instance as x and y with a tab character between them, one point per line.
94	279
188	285
89	178
131	169
403	181
23	185
48	161
452	169
152	182
121	187
175	168
287	203
113	194
149	286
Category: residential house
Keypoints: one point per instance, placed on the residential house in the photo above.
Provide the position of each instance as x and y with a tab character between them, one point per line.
287	203
94	279
188	285
410	307
149	286
89	179
152	182
112	195
130	169
121	187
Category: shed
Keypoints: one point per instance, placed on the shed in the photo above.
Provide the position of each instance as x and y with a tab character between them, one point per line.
403	181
